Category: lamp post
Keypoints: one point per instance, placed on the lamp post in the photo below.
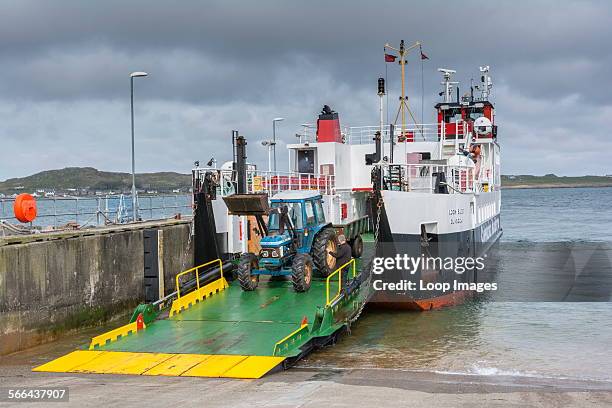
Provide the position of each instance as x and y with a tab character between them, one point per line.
134	204
274	138
269	144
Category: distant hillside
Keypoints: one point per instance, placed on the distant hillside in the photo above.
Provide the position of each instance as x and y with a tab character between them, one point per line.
553	181
95	180
90	179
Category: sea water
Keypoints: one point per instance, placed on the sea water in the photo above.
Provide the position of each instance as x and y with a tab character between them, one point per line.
520	337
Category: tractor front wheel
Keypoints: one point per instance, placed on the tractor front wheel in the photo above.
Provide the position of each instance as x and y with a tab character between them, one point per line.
247	263
301	274
324	243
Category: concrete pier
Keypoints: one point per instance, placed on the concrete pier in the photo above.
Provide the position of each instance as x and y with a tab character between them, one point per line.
303	386
53	283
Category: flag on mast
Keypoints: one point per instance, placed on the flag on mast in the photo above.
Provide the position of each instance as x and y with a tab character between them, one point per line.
390	58
423	56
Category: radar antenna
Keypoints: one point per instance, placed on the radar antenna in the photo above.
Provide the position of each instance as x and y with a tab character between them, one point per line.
485	83
447	83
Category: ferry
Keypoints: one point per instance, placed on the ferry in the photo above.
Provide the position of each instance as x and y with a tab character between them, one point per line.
429	190
438	194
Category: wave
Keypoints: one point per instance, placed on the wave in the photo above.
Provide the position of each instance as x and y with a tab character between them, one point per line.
475	370
485	371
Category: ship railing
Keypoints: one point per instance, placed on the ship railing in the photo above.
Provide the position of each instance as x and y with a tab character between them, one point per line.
275	182
449	132
413	132
270	182
80	212
429	178
308	134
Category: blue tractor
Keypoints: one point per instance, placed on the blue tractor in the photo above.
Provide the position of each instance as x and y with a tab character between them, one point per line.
296	241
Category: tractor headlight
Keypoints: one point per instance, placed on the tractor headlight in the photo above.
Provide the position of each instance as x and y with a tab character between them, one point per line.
272	253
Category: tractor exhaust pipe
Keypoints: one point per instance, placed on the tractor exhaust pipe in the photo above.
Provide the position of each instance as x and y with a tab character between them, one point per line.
241	165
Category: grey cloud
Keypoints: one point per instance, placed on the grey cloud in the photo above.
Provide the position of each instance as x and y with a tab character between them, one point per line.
219	65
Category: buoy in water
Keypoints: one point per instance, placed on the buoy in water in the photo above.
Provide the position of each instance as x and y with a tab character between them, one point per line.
25	208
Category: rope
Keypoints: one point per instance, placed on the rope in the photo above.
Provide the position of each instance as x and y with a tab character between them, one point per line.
452	188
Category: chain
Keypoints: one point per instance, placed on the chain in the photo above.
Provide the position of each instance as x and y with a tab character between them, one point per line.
376	233
354	318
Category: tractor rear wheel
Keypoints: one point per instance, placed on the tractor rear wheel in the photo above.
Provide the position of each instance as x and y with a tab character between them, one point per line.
324	243
247	263
357	247
301	274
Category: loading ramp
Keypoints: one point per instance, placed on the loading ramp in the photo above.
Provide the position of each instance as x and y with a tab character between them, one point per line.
219	330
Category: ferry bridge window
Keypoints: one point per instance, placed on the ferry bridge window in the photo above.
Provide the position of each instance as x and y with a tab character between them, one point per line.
305	161
451	116
310	213
475	115
295	213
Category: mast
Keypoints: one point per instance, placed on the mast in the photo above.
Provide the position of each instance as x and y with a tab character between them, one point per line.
403	51
403	97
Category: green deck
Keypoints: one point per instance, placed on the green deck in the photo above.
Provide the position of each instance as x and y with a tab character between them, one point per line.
236	322
230	322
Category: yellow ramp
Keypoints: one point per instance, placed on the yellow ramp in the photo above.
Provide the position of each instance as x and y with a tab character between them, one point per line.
253	367
67	363
188	365
177	364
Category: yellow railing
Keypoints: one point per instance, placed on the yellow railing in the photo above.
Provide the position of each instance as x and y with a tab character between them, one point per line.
338	272
196	269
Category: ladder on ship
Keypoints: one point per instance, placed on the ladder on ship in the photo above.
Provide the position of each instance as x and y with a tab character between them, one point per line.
396	177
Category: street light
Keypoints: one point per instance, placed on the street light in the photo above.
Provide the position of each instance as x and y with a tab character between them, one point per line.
269	144
134	205
274	138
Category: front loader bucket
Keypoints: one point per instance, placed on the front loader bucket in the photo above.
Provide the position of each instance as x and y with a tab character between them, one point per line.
247	204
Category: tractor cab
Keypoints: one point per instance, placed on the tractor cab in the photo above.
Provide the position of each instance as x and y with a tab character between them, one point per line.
296	242
304	215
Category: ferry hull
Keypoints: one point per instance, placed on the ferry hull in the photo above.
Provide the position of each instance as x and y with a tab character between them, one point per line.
432	287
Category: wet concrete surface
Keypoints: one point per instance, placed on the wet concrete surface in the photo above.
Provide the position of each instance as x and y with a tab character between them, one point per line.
304	386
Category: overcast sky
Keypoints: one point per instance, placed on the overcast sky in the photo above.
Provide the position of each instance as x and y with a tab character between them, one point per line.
220	65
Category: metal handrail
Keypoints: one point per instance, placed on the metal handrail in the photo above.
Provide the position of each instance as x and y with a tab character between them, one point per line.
271	182
413	132
417	132
419	177
339	273
197	273
94	211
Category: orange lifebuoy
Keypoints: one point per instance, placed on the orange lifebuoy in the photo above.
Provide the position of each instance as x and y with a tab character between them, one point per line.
25	208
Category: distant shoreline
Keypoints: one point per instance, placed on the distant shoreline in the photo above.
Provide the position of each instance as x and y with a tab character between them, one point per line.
545	186
90	182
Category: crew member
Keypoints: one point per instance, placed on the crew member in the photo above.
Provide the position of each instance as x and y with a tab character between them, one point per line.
343	256
475	154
